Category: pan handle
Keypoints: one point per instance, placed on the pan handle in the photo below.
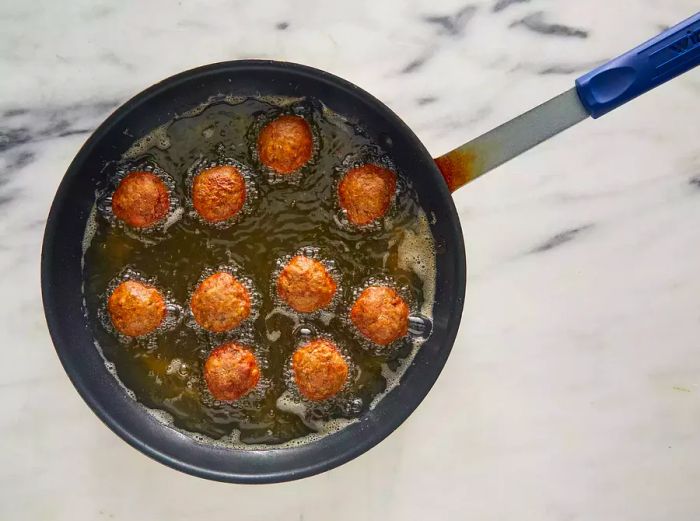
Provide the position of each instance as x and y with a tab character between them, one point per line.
458	168
609	86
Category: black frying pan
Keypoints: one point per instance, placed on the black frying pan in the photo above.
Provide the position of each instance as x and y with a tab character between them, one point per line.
61	271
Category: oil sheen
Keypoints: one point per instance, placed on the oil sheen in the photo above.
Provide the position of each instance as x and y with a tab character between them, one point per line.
283	216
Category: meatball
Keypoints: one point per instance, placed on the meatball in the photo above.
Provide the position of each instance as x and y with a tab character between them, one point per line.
366	192
319	369
305	284
380	314
220	303
135	308
141	200
285	144
218	193
231	371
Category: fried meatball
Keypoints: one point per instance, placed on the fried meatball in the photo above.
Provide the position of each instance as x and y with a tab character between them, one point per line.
218	193
305	284
135	308
319	369
141	200
285	144
220	303
380	314
365	193
231	371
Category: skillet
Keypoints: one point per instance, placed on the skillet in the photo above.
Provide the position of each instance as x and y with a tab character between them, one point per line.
596	93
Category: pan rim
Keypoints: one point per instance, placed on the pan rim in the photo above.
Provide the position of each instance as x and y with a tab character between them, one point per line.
361	445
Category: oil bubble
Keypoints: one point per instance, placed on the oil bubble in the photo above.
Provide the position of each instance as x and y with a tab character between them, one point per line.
419	327
304	333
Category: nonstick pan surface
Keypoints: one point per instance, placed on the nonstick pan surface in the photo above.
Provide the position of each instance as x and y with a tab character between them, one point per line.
61	270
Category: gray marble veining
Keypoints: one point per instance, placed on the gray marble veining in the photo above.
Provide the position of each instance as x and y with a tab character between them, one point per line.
573	391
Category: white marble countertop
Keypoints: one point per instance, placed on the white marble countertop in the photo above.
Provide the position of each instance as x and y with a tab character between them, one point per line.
573	392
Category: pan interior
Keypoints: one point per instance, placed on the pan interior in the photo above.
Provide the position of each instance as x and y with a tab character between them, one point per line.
281	217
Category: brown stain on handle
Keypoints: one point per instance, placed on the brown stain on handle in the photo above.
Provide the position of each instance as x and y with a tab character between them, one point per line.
458	168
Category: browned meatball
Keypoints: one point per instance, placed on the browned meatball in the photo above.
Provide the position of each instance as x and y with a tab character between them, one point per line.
285	144
218	193
231	371
141	200
365	193
220	303
305	284
135	308
380	314
319	369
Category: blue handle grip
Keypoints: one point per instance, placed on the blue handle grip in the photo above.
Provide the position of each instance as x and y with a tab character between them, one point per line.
662	58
